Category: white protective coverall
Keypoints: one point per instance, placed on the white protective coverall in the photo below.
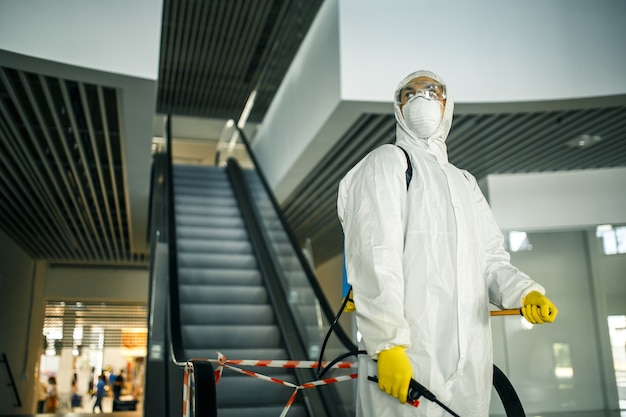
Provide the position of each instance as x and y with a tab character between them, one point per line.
424	265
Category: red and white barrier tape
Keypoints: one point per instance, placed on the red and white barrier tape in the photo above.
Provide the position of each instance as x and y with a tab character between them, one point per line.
222	363
186	390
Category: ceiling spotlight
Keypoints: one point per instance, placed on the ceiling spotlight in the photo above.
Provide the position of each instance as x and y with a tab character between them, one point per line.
583	141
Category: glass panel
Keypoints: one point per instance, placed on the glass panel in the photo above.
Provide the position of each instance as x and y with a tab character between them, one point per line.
620	233
562	361
617	333
301	297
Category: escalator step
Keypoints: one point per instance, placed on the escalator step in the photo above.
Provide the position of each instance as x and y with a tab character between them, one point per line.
220	314
202	336
211	233
238	353
213	246
219	260
221	211
223	294
210	221
203	190
180	200
251	392
218	276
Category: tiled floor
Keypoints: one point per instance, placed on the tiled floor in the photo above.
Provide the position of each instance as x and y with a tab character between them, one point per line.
582	414
107	408
85	410
139	413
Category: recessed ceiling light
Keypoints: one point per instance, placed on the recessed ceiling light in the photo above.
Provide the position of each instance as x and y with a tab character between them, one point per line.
583	141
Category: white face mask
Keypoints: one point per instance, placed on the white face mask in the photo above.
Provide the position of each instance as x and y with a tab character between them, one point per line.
422	116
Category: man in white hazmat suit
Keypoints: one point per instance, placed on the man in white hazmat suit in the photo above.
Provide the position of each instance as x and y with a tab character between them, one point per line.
424	264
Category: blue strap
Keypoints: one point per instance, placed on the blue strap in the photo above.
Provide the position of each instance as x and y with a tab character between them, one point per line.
345	287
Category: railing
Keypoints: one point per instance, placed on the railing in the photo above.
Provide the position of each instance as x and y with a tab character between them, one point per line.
328	313
12	381
167	368
304	301
270	270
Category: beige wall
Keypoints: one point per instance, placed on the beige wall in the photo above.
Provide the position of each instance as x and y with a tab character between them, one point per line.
104	284
21	320
25	286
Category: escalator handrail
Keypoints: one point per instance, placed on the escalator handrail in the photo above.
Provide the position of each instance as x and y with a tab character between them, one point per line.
174	304
266	264
324	304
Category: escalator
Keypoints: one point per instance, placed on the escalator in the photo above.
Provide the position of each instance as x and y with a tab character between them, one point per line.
243	292
224	304
228	277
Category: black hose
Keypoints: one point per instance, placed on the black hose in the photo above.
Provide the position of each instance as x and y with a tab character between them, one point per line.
328	333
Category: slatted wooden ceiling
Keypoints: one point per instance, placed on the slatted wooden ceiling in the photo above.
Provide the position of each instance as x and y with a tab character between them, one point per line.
215	53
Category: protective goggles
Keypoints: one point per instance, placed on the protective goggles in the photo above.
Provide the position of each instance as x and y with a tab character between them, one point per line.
431	90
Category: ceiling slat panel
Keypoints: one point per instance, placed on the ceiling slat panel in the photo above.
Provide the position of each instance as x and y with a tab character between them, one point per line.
14	223
59	155
98	185
58	109
38	192
116	219
194	55
211	75
110	165
83	176
551	135
63	213
114	126
252	35
63	170
232	47
186	50
15	206
512	145
609	152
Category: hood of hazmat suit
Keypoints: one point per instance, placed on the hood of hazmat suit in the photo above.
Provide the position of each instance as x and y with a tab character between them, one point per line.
424	264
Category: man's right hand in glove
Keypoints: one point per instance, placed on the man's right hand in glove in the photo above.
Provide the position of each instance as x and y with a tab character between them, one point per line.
394	372
538	309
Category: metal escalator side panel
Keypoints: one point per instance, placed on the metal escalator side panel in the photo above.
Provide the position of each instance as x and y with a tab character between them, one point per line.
291	293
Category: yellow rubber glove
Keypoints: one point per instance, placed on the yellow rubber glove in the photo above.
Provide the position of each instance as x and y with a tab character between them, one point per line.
394	372
350	307
538	309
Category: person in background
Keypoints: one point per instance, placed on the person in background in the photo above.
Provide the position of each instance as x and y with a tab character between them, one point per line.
111	380
100	393
76	399
52	398
118	384
42	395
92	377
425	258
